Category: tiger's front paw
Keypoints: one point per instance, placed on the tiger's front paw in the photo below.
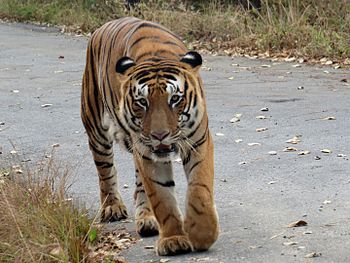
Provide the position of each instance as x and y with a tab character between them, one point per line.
174	245
114	212
147	226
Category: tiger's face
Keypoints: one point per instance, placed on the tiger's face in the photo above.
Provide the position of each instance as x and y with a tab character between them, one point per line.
162	105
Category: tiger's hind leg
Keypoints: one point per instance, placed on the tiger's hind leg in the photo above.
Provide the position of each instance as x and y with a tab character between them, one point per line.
146	223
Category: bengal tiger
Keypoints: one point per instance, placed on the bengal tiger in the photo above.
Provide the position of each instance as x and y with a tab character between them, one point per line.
141	87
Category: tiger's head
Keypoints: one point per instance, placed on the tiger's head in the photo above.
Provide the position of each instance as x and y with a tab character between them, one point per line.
163	104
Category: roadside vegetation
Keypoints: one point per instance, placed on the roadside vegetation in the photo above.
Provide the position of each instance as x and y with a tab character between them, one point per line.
302	28
40	223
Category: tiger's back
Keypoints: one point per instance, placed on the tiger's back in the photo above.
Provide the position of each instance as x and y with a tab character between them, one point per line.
142	88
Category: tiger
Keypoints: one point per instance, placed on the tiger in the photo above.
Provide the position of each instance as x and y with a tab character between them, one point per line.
141	88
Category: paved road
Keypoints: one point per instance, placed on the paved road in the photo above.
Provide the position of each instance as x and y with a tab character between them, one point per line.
257	194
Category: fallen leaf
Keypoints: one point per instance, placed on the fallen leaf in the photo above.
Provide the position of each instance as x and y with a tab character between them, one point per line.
296	66
313	255
13	152
326	202
291	59
277	235
317	158
266	66
264	109
272	152
297	223
148	247
300	88
125	186
303	152
163	260
238	140
55	145
15	91
234	119
341	155
307	233
261	129
294	140
290	243
242	163
290	149
219	134
330	118
254	144
57	251
231	78
272	182
326	151
205	68
260	117
46	105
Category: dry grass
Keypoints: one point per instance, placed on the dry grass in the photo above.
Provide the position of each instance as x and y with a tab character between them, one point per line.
308	28
38	223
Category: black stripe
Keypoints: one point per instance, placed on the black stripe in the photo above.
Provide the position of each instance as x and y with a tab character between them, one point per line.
104	164
122	126
166	184
195	209
155	54
170	43
186	159
146	158
194	166
169	77
94	148
141	39
139	191
149	25
202	140
186	86
107	178
194	101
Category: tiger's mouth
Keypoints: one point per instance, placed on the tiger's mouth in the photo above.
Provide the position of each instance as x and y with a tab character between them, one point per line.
163	149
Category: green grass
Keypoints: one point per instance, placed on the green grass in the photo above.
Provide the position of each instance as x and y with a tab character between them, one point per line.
308	28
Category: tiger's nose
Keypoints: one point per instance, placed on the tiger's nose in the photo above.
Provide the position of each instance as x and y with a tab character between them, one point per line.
160	135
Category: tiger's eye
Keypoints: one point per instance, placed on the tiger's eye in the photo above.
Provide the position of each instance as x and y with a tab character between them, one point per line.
143	102
175	98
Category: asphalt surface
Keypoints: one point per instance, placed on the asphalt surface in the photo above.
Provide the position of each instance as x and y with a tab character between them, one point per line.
257	194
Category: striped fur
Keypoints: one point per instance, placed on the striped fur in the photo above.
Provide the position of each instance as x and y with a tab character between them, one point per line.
141	88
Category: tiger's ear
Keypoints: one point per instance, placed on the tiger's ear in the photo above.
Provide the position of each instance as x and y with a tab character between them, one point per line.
124	64
193	59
